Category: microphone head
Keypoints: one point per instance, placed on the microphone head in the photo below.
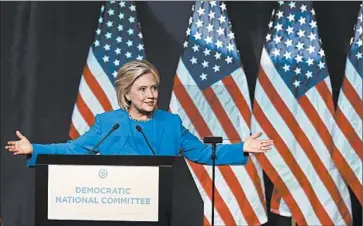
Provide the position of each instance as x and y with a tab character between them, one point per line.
138	128
115	127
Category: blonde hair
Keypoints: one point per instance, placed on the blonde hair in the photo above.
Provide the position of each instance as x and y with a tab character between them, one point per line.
127	75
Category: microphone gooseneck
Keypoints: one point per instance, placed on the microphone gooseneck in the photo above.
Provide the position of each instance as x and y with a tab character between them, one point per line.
138	128
93	150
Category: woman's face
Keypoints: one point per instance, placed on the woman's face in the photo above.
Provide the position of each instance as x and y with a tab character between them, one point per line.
143	94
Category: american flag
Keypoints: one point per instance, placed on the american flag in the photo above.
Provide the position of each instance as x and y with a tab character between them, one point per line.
348	135
211	95
118	40
293	106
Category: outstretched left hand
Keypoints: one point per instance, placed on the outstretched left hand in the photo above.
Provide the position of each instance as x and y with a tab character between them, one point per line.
253	145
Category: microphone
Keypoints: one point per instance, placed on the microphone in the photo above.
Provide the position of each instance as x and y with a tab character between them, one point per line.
140	130
114	127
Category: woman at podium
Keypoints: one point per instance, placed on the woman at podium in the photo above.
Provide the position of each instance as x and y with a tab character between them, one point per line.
140	128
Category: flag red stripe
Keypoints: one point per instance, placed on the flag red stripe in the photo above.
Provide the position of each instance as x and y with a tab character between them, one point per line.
275	201
326	95
84	110
199	170
205	221
325	136
353	97
238	98
96	89
221	115
228	174
243	107
73	133
290	161
305	144
252	172
349	132
219	203
348	174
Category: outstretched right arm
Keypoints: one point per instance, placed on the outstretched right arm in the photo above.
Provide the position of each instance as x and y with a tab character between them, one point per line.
79	146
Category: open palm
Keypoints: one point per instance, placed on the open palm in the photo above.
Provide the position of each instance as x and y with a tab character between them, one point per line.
20	147
254	145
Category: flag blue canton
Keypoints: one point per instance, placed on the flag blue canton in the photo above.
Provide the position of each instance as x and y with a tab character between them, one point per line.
294	47
210	52
118	37
355	55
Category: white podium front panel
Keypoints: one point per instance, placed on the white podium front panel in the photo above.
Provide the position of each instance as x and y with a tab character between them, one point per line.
114	193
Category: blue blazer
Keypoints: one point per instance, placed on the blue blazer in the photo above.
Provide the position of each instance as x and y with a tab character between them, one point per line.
172	139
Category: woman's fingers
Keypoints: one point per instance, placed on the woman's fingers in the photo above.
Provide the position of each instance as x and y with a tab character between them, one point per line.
266	144
10	145
14	150
267	141
11	142
253	144
262	150
10	148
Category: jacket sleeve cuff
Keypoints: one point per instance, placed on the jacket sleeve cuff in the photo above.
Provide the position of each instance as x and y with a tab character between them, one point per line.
32	158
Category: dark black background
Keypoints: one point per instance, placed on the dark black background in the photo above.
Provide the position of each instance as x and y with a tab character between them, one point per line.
44	46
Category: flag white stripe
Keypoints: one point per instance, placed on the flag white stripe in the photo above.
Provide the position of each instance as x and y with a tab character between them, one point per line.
253	158
284	209
275	119
225	191
240	79
291	104
350	114
199	101
241	125
328	119
102	79
231	110
89	98
173	103
354	78
274	157
215	127
184	76
250	190
348	153
308	129
207	201
243	130
78	121
345	106
206	110
227	196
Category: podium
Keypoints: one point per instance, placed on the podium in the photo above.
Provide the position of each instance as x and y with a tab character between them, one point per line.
175	193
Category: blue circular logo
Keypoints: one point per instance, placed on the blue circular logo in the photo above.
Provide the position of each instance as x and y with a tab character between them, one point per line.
102	173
